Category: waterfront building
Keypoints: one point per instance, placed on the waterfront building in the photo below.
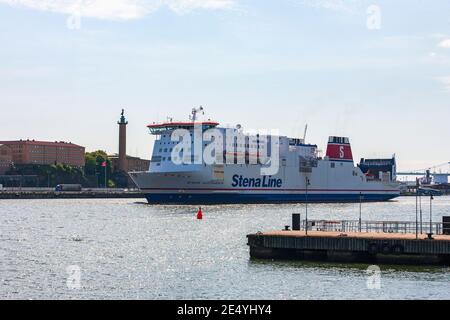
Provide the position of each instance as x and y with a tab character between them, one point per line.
6	159
26	152
132	163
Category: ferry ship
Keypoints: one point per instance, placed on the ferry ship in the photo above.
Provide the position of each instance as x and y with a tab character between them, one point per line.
178	175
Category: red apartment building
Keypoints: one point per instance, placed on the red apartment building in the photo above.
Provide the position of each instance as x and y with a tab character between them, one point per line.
5	158
45	153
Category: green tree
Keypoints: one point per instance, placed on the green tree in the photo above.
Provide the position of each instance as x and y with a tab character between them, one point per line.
93	166
111	184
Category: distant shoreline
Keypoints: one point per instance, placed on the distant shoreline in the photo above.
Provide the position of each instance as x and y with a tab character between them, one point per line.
29	195
69	195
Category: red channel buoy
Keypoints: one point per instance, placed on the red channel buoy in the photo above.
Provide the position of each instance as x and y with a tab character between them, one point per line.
200	214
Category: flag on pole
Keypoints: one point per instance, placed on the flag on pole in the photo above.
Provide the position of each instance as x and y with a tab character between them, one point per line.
104	166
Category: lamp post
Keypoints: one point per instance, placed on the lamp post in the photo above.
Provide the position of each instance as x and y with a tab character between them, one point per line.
431	217
306	221
417	208
360	210
421	211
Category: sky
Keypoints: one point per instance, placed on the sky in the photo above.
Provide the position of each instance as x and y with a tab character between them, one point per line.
375	71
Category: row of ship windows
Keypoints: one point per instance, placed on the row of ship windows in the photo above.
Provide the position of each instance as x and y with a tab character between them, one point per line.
242	145
189	149
168	136
176	150
333	165
170	142
193	159
234	162
160	159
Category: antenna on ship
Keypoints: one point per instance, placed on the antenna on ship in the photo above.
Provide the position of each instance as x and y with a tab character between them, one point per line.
304	133
193	117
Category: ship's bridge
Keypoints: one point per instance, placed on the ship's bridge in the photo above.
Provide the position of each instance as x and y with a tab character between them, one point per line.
166	127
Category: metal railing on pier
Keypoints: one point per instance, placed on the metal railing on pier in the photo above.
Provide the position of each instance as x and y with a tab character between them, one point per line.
371	226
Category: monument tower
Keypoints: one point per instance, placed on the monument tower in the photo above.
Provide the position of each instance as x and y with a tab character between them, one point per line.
122	142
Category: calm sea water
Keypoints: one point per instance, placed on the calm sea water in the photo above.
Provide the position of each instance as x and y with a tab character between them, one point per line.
126	249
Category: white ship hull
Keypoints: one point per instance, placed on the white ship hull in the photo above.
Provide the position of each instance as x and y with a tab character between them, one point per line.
200	186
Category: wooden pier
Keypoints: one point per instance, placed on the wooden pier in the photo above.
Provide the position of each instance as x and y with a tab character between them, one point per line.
366	247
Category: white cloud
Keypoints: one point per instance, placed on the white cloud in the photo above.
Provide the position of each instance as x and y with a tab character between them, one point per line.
118	9
445	44
182	6
345	6
445	81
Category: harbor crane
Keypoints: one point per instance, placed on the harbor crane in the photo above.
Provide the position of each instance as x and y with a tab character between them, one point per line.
432	170
435	173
